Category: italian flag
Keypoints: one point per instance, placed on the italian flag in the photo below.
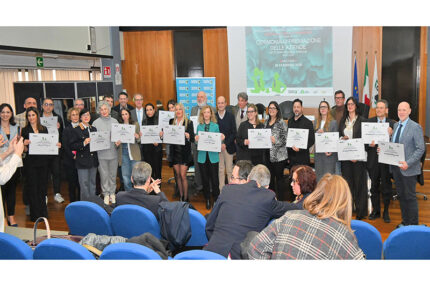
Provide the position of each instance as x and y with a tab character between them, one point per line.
366	95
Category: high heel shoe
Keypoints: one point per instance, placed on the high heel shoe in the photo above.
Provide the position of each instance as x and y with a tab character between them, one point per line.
208	204
12	225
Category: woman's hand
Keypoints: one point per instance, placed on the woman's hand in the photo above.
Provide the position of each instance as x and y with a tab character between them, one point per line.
136	135
27	142
328	154
345	138
295	148
117	143
246	142
87	141
222	136
59	145
187	135
155	144
161	134
273	139
2	140
196	138
320	131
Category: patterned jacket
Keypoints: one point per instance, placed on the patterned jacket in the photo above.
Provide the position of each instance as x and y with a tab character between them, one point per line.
300	235
278	152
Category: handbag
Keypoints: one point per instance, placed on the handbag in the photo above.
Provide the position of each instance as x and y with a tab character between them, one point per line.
37	240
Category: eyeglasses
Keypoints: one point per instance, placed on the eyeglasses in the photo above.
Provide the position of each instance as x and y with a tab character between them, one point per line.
234	178
250	111
79	104
323	107
48	104
272	108
337	97
351	104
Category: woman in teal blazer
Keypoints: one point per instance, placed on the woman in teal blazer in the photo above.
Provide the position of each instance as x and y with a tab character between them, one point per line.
208	161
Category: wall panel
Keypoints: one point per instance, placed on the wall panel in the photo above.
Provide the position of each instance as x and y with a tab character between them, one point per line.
148	67
215	55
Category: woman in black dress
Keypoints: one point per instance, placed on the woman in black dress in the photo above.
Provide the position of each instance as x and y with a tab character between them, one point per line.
152	153
180	155
254	155
354	171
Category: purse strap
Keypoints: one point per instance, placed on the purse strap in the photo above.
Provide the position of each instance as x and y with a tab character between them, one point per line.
48	230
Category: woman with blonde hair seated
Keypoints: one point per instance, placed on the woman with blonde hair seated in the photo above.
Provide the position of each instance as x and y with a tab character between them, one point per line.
321	231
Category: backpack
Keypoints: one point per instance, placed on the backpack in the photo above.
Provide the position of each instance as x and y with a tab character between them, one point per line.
174	223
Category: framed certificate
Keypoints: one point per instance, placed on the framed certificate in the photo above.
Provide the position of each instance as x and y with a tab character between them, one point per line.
43	144
377	132
298	137
100	140
174	134
195	120
209	141
391	153
164	117
50	123
352	149
326	142
150	134
260	138
123	132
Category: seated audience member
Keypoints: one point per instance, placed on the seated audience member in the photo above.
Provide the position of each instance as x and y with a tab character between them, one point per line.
303	182
240	209
143	186
321	231
240	172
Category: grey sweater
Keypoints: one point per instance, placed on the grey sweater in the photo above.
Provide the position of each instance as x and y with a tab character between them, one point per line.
105	124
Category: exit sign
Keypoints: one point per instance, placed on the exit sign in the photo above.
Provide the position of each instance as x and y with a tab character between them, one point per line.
39	62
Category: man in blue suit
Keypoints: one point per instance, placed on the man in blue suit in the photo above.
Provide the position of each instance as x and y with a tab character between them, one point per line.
410	134
242	208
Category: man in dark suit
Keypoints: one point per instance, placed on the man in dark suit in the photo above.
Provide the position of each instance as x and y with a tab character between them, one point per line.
379	173
123	102
239	209
410	134
227	126
144	185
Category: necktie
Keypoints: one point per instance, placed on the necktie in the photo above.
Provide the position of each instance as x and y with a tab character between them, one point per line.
396	140
241	114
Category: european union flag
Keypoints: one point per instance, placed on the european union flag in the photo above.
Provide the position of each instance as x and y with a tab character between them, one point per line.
355	86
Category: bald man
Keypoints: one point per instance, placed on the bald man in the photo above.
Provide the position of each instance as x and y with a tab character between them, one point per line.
20	118
227	126
410	134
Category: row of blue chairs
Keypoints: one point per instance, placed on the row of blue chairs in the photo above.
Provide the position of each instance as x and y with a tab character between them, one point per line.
127	221
12	247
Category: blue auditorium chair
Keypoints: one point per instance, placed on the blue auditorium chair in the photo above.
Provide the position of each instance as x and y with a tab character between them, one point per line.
12	247
128	251
133	220
198	229
369	239
61	249
86	217
198	255
408	242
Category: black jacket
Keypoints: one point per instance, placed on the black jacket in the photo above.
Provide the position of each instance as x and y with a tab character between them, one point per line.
302	156
185	149
84	158
243	152
227	126
67	155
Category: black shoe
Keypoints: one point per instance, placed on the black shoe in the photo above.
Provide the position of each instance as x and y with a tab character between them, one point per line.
208	204
386	217
359	217
374	215
400	225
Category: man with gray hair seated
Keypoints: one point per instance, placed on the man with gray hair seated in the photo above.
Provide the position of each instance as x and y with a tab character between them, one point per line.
239	209
146	191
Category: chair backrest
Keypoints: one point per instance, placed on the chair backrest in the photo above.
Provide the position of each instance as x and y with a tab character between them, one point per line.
133	220
86	217
408	242
198	226
369	239
198	255
261	109
128	251
286	109
62	249
12	247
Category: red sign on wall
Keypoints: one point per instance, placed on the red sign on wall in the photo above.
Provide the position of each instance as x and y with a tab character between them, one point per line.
106	72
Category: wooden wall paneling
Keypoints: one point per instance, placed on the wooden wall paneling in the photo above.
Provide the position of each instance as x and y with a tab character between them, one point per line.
367	41
423	79
215	57
148	67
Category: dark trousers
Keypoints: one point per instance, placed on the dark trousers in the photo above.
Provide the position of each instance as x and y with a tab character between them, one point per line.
406	189
355	175
37	179
24	177
9	194
154	158
380	177
209	173
277	180
73	182
54	167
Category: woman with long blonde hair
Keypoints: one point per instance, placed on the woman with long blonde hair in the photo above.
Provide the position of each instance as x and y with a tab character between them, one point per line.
321	231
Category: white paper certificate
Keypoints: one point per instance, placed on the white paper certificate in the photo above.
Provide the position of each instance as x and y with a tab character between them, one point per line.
374	131
209	141
352	149
100	140
195	120
150	134
164	117
391	153
43	144
260	138
298	137
50	123
123	133
326	142
174	134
